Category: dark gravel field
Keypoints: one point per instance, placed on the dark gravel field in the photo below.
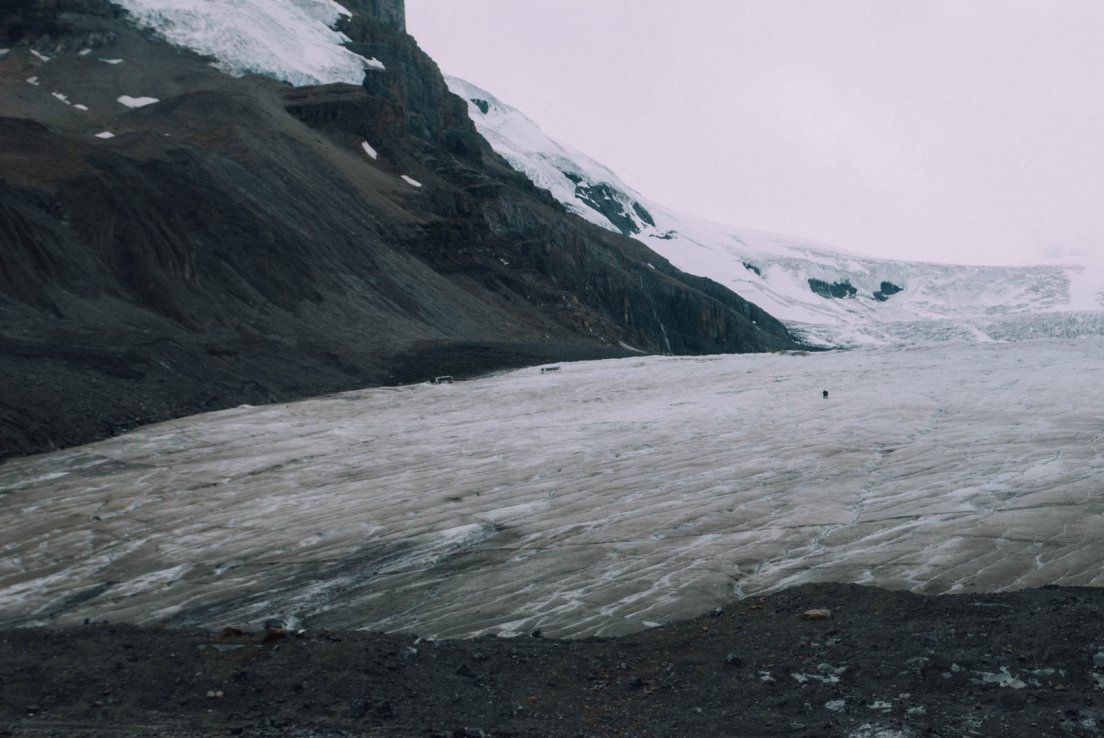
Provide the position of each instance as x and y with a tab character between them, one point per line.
880	664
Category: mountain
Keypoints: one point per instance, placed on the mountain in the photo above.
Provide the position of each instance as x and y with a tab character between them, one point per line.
826	296
192	218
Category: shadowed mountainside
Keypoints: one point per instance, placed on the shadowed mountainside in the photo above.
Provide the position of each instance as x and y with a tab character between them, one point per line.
234	242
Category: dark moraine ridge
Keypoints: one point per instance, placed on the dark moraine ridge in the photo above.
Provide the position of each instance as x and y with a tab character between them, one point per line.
881	665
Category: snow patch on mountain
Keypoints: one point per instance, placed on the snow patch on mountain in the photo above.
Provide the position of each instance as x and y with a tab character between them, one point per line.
291	40
137	102
520	141
824	294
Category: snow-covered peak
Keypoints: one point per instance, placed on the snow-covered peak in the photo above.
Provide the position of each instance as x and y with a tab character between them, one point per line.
290	40
826	295
560	169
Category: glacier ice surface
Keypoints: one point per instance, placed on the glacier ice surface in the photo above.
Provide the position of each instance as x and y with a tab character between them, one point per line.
597	499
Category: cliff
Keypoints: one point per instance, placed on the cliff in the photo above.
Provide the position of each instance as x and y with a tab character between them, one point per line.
390	13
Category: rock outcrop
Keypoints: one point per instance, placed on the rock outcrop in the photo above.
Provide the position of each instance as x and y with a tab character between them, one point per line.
234	242
391	13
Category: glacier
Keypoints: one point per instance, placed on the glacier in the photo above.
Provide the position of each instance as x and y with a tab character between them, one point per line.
255	36
598	499
778	272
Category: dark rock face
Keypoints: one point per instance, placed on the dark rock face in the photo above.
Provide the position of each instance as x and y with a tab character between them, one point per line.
233	243
643	214
834	289
886	290
605	200
391	13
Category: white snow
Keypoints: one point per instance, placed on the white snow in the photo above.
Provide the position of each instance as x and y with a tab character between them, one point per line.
591	500
522	143
460	534
79	106
372	154
105	134
154	579
32	81
938	301
112	61
1003	678
4	51
84	52
61	97
137	102
40	56
291	40
411	181
869	730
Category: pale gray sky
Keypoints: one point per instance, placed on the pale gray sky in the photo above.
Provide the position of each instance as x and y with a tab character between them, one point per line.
965	131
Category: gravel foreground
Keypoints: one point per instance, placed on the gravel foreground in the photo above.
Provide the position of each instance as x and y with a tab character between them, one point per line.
881	664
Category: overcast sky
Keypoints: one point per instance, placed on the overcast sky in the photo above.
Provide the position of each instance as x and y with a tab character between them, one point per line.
969	131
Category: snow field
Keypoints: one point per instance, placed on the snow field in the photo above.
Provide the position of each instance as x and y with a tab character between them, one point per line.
255	36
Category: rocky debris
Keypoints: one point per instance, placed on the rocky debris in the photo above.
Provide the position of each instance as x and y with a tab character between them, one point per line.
893	664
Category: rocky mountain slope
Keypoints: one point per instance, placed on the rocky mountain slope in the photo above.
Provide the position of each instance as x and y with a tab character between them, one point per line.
176	238
827	296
